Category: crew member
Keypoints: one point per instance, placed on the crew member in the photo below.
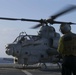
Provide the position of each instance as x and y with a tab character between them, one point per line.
67	48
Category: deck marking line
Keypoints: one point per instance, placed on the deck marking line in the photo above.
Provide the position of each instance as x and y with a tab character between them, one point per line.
26	72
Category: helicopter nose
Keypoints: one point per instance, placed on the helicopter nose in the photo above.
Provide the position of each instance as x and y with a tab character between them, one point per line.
9	50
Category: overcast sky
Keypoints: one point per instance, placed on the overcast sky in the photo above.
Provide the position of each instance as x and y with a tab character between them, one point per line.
29	9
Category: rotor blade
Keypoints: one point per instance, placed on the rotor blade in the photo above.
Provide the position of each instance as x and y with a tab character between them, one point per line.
22	19
36	26
64	11
3	18
58	22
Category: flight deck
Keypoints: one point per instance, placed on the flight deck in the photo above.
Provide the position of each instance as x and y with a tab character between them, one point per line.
13	69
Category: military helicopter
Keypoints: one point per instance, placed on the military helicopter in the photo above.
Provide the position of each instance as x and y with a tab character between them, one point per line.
40	48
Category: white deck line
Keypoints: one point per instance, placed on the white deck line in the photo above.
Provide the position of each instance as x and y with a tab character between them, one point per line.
26	72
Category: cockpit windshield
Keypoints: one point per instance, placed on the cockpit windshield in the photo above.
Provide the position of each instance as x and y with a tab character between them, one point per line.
22	38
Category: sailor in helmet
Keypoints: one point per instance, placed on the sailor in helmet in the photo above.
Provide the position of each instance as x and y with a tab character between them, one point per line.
67	48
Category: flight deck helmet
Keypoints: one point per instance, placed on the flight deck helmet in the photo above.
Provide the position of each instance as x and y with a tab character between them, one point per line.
65	28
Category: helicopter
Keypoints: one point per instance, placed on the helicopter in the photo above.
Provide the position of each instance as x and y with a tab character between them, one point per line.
40	48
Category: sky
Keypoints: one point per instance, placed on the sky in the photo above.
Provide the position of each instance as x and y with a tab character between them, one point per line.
29	9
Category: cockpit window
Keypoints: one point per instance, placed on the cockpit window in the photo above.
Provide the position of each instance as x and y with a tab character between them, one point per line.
21	39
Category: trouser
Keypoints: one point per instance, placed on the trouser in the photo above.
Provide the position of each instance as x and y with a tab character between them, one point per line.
69	65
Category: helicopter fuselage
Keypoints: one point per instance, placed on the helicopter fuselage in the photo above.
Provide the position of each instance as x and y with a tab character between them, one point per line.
31	49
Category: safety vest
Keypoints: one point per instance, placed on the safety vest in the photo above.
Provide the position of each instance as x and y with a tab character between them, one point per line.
67	44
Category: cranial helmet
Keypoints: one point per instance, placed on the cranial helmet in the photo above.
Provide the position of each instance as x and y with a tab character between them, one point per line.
64	28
